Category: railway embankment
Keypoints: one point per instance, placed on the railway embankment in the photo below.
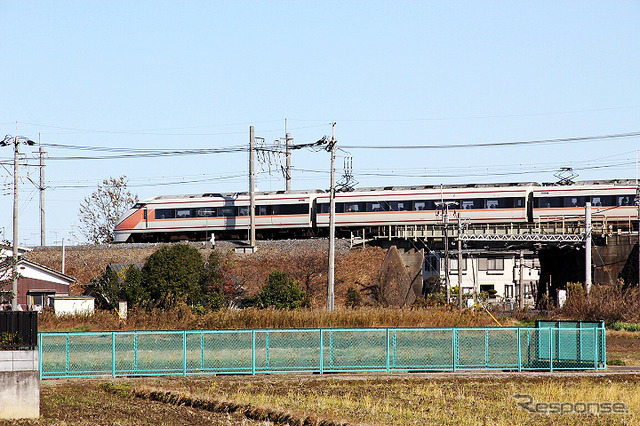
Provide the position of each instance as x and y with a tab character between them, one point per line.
304	260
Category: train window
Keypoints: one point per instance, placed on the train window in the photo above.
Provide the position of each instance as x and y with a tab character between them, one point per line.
243	211
262	210
574	201
293	208
548	202
504	203
227	211
625	200
603	201
399	206
377	206
165	213
491	204
206	212
182	213
138	205
424	205
339	208
353	207
324	207
470	204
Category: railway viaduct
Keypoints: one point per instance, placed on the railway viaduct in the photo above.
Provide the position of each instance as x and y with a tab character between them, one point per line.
560	247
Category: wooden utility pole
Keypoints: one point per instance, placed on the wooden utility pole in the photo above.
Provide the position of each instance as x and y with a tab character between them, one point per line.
332	221
252	186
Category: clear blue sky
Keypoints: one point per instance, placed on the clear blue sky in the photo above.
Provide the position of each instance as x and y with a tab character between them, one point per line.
196	74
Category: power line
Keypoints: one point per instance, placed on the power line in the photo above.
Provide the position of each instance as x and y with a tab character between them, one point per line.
492	144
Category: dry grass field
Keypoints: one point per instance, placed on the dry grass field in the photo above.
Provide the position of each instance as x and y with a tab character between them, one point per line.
426	398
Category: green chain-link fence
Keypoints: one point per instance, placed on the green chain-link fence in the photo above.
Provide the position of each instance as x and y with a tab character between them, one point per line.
144	353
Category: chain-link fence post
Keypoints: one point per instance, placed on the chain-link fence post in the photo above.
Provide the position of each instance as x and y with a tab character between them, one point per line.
113	353
519	350
388	354
321	351
253	352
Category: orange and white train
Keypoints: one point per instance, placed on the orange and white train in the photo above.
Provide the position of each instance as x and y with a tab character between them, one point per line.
306	213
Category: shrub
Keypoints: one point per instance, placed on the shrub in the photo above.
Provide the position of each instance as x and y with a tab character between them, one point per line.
173	273
281	292
612	303
353	299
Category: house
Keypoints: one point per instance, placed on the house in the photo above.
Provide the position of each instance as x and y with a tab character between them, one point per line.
37	284
494	273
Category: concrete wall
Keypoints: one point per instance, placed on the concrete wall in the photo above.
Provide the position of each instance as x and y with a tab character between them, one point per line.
617	258
69	305
19	385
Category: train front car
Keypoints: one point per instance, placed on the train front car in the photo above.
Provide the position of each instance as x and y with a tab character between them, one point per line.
131	221
476	203
611	201
197	217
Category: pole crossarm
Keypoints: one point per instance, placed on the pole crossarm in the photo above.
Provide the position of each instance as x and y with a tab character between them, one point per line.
542	238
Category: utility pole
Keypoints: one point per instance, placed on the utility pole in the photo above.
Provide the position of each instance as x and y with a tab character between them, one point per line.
332	220
445	220
521	282
459	264
14	286
16	141
587	247
638	203
252	196
42	228
287	170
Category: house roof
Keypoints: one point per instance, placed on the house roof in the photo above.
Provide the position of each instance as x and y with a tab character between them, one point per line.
48	270
6	249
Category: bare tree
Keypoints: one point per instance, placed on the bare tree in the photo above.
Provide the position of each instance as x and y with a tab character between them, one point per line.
99	213
306	267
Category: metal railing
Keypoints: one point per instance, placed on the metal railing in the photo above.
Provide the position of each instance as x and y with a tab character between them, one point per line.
18	330
146	353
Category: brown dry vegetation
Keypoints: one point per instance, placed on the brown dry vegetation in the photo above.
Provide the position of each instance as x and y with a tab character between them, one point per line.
183	318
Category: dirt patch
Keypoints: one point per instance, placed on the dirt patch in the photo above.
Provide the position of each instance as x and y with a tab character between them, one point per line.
469	398
83	402
624	346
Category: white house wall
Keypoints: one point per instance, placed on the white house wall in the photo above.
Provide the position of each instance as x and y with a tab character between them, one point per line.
499	279
27	271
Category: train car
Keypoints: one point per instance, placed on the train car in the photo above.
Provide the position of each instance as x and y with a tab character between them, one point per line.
478	203
611	200
306	213
196	217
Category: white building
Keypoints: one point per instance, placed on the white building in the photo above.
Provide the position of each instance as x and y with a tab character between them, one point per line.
495	273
